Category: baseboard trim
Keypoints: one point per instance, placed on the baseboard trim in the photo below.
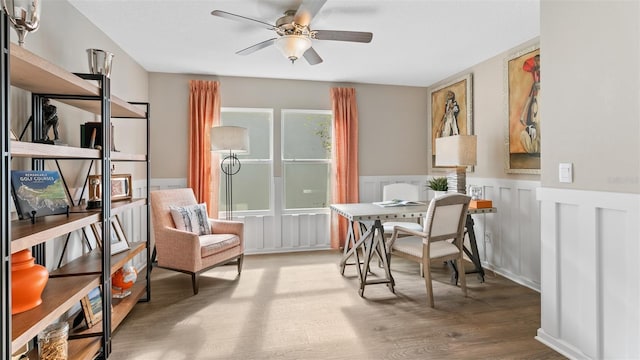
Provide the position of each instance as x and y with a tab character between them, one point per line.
511	276
560	346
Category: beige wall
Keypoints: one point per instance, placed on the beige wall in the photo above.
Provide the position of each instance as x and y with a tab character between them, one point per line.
62	39
489	115
591	97
393	128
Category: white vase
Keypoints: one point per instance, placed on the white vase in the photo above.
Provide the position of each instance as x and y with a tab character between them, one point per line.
438	193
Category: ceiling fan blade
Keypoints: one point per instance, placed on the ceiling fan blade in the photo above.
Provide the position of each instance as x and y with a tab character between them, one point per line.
244	19
307	10
256	47
355	36
312	57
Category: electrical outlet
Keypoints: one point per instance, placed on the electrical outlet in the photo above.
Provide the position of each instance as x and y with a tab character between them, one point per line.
487	237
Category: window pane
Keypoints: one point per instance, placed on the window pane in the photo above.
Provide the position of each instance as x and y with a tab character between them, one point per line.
259	125
250	187
306	135
306	185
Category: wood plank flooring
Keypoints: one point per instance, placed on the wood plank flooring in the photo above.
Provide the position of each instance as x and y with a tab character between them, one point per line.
298	306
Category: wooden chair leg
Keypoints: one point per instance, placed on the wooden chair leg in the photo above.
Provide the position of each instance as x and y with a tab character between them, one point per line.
427	280
240	260
194	283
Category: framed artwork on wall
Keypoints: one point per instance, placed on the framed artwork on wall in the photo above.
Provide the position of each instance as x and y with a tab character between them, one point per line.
522	90
451	111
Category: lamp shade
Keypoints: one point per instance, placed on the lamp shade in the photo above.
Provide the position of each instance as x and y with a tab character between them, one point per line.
229	138
458	150
293	46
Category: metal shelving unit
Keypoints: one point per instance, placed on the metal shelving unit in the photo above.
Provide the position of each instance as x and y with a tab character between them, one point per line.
68	284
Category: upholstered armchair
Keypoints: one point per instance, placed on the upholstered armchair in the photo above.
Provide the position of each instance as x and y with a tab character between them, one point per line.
192	249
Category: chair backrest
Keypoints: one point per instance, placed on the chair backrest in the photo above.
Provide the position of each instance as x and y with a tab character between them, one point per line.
401	191
160	202
446	217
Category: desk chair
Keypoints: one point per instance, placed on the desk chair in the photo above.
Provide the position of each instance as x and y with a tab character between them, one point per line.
400	191
445	221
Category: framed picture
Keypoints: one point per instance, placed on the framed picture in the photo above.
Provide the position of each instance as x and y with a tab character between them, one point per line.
119	241
522	90
451	111
120	187
38	193
92	306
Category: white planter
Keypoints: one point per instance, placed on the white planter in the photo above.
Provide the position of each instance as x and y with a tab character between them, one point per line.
438	193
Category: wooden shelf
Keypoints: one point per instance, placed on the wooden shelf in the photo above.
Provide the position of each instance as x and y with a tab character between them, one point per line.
46	151
91	263
58	297
119	207
85	348
120	308
120	156
37	75
24	234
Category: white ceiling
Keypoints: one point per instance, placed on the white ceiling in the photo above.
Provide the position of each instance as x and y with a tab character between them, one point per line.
415	43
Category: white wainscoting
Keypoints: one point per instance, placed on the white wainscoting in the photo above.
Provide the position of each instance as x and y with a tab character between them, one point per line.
590	281
272	233
509	240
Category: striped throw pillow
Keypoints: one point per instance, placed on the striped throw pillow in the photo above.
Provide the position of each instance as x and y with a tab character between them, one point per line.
192	218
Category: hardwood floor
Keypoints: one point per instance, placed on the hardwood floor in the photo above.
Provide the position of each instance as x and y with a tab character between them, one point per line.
298	306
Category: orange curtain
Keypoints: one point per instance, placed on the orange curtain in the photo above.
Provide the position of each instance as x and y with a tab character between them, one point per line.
204	112
344	186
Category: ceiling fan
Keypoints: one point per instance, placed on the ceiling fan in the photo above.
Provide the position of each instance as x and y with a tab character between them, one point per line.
294	34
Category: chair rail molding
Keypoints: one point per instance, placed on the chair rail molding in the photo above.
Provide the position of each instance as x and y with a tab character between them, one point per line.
590	286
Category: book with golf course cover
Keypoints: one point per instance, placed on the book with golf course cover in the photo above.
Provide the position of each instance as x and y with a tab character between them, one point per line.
40	191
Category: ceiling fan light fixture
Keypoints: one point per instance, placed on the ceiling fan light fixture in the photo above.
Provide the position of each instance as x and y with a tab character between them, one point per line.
293	46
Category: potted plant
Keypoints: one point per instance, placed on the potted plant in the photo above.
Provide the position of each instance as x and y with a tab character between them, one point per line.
438	185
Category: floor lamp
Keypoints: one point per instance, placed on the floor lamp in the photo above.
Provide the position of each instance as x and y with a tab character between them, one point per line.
231	140
457	151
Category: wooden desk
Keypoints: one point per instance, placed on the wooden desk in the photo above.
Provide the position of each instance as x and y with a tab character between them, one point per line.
372	241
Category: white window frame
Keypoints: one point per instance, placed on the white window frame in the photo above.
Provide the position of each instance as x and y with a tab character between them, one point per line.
243	161
302	161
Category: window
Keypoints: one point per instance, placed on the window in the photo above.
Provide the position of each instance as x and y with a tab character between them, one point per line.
306	158
252	184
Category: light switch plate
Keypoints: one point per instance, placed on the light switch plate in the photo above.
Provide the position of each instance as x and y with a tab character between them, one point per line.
565	171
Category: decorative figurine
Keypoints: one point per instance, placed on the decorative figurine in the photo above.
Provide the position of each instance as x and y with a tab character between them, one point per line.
95	201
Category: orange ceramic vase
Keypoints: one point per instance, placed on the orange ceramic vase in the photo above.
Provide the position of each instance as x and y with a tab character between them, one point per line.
28	280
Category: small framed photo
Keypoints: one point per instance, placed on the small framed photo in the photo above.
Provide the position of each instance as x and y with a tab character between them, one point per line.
119	241
92	306
120	187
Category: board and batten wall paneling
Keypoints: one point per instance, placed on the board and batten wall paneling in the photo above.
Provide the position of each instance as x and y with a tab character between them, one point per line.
590	285
509	240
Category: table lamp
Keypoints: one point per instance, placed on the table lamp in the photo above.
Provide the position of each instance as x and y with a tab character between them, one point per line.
457	151
234	140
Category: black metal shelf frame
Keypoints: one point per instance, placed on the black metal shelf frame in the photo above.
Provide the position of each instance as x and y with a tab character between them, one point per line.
104	97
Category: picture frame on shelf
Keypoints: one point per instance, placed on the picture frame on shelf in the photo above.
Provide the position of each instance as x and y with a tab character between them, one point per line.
521	90
38	193
91	237
121	187
92	306
451	112
119	242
